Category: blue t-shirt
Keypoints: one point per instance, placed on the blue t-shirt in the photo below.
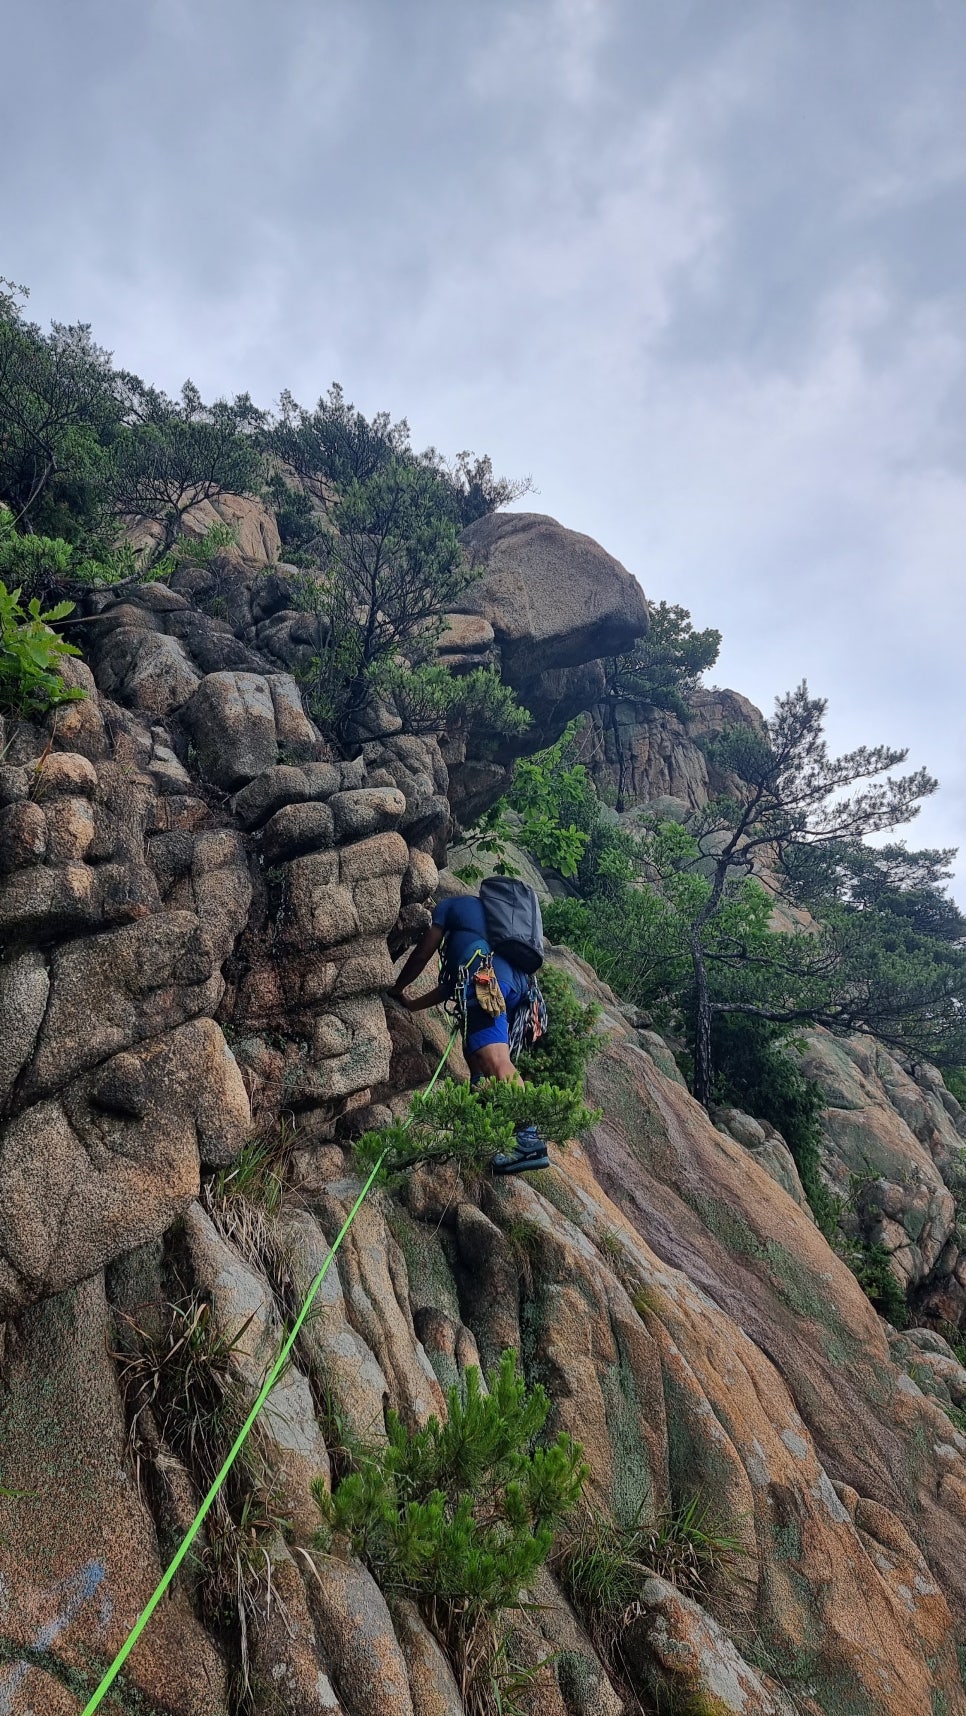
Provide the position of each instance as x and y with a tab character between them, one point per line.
464	921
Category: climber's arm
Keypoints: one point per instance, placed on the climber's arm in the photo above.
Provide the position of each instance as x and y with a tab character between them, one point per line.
416	964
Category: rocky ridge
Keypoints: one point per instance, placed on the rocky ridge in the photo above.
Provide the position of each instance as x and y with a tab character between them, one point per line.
199	908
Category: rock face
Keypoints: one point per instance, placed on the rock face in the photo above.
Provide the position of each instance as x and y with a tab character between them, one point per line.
894	1150
639	754
548	605
200	908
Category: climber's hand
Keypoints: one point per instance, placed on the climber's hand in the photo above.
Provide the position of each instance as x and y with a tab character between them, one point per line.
403	999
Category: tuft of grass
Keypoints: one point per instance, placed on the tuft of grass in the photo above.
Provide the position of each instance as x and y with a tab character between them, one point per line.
183	1396
243	1198
604	1565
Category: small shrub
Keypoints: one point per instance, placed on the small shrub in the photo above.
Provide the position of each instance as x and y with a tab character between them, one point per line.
181	1392
243	1197
603	1566
461	1516
561	1056
429	697
871	1266
30	656
457	1122
202	550
31	563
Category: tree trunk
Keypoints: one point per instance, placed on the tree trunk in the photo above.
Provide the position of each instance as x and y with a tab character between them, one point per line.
702	1027
619	754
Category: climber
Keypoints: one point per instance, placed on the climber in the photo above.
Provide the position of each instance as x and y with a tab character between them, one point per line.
494	992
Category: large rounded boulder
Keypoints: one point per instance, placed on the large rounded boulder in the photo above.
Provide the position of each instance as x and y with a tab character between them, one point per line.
554	597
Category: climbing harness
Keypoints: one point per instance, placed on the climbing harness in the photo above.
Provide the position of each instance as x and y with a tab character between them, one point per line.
269	1383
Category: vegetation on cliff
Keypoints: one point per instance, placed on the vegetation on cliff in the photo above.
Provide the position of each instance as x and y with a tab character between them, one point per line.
373	524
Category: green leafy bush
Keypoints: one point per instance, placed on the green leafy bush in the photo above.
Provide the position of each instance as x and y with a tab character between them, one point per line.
469	1124
30	656
755	1073
561	1055
429	697
461	1515
871	1266
31	564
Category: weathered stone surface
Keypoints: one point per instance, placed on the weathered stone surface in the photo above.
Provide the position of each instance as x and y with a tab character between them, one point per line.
683	1656
78	1556
247	1316
895	1138
369	811
23	835
432	1684
231	718
357	1634
297	737
24	988
217	888
420	879
148	671
109	992
114	1160
333	1352
254	527
268	792
768	1148
649	755
62	771
366	861
71	830
297	829
286	1652
554	598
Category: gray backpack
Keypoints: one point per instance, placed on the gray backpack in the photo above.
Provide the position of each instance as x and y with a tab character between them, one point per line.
514	927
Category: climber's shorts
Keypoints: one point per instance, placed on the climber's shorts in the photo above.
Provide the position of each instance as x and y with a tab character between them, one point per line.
481	1028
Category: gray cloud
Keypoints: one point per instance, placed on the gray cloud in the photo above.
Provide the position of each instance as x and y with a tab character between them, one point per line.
696	264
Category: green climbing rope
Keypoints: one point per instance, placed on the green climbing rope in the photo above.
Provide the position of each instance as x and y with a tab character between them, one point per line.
270	1380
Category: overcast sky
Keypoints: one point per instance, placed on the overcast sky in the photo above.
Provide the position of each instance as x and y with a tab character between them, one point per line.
697	265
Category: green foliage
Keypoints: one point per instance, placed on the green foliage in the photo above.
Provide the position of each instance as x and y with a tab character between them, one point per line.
383	583
43	565
461	1515
469	1124
555	800
754	1072
664	668
429	697
58	408
123	564
181	1387
561	1055
30	657
31	564
873	1271
954	1078
336	446
604	1565
202	550
170	454
555	806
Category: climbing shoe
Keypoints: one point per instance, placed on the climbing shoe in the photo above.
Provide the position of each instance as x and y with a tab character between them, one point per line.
531	1152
